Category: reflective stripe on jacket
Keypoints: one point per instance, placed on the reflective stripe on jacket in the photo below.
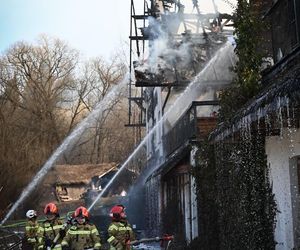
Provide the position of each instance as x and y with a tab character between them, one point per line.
119	233
47	233
82	236
31	233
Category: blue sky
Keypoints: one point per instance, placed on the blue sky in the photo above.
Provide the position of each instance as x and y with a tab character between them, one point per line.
95	27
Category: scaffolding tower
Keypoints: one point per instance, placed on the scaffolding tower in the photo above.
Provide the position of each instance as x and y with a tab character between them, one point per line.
194	25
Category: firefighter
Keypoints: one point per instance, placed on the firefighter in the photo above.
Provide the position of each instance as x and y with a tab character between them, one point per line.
52	230
119	231
82	235
31	231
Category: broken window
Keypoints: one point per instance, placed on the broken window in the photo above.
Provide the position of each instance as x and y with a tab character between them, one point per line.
285	27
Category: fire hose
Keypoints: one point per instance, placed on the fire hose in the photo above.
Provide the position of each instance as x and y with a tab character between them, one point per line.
165	238
61	231
17	244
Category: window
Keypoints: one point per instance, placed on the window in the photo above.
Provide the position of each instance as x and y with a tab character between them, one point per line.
292	23
285	22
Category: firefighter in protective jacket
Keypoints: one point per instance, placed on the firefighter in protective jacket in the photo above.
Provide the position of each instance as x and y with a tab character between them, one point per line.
31	231
51	231
119	231
81	235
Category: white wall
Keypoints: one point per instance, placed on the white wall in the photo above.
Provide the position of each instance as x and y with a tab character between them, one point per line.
152	122
158	115
281	150
193	199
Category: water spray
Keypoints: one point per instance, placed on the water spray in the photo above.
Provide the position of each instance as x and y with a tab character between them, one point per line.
192	92
69	140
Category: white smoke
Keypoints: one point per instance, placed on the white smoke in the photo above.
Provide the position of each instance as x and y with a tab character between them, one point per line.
163	51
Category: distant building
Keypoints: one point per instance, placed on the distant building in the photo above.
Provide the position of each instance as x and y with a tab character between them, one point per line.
73	181
69	185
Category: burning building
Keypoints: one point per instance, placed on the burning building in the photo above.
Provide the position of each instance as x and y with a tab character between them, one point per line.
248	176
273	116
252	164
176	41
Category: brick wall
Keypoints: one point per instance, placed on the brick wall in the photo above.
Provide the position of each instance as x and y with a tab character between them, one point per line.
205	125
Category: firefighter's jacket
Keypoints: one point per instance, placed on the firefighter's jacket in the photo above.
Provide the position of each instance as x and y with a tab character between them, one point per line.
31	234
47	233
119	234
80	237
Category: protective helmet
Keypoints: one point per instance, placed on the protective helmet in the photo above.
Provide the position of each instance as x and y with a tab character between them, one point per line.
31	214
82	211
50	208
117	212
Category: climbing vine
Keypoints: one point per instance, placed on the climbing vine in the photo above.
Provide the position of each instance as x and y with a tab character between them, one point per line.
245	200
205	177
237	209
236	204
248	27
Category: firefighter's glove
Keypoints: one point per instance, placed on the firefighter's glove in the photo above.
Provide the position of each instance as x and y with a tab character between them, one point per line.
117	244
127	242
62	233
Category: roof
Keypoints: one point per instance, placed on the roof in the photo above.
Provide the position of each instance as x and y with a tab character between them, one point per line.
177	156
281	91
77	174
271	100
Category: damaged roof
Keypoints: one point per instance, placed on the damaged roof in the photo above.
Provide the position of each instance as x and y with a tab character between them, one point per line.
77	174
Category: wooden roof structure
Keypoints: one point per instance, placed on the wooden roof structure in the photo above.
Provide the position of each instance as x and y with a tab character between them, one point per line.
77	174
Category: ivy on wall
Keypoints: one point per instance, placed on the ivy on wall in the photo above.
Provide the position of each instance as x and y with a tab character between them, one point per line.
236	204
248	27
245	200
206	190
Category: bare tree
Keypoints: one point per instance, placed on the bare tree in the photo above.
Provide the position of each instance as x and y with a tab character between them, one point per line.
42	76
35	82
107	139
44	94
